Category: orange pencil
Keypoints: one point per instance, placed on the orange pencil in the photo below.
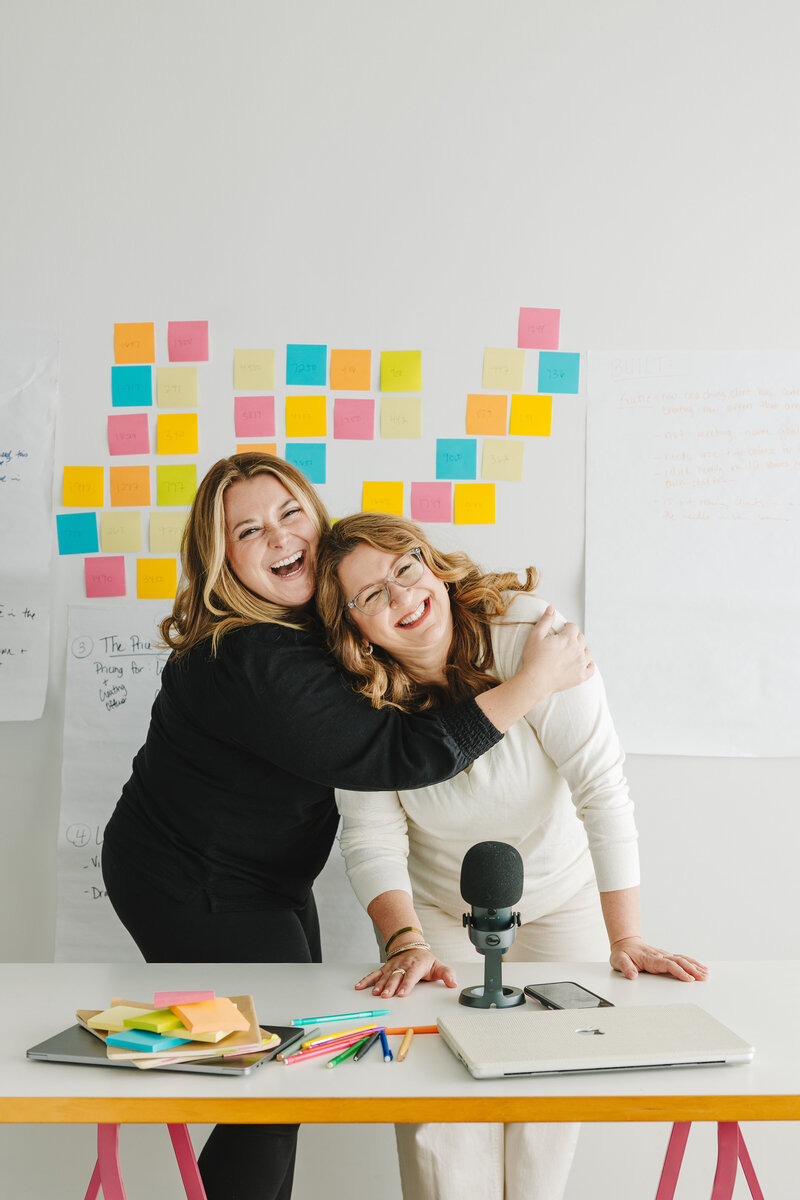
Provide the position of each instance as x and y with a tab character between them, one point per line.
416	1028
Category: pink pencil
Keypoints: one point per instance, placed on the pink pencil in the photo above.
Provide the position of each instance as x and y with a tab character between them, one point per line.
328	1048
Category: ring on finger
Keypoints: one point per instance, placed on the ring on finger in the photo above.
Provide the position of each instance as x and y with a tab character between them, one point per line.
397	971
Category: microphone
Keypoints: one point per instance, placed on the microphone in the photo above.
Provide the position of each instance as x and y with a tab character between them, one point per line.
492	878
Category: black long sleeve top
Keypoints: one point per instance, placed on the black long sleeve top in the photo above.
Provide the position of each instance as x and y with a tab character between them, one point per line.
232	791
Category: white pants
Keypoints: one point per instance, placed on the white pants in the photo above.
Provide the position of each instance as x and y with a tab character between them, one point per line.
444	1161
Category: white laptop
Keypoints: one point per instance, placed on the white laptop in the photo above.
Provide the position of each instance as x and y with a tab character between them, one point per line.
506	1042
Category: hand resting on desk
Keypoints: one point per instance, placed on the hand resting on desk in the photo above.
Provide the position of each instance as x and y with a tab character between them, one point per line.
402	972
632	955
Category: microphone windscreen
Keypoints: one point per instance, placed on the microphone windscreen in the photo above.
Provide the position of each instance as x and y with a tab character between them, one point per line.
492	875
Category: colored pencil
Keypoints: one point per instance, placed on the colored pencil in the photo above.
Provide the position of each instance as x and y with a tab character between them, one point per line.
405	1045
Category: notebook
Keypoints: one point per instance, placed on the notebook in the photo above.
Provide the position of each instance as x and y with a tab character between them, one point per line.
518	1042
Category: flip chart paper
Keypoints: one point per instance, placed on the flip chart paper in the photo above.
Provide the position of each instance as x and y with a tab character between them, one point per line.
503	369
531	416
77	533
559	372
379	496
473	504
156	578
351	370
456	458
502	459
306	365
487	415
135	342
354	419
432	502
187	341
254	416
253	370
128	433
176	484
105	576
121	531
176	387
306	416
166	531
401	417
83	487
308	457
131	387
129	486
176	433
261	447
401	371
539	328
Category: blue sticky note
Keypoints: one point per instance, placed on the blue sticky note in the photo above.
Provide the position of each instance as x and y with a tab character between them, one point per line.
77	533
558	372
143	1039
308	457
456	458
132	387
306	365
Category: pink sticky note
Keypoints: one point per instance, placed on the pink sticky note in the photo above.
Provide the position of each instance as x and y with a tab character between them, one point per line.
187	341
431	502
164	999
128	433
254	416
539	328
105	576
354	419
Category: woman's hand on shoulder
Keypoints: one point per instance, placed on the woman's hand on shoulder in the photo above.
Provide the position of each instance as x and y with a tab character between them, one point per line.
630	956
557	661
400	975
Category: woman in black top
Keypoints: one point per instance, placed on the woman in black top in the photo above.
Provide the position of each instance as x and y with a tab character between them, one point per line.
212	850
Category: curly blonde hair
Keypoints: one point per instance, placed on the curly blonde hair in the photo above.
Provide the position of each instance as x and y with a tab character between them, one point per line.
211	601
476	598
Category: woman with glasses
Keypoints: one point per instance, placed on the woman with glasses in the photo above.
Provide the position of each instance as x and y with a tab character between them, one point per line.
416	629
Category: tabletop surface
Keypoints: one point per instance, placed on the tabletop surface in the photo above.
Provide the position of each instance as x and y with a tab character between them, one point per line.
758	1001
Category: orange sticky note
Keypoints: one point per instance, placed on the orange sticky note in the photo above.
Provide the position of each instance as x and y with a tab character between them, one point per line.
351	370
473	504
531	416
83	487
176	433
129	486
306	416
207	1016
380	496
261	447
135	343
487	415
156	578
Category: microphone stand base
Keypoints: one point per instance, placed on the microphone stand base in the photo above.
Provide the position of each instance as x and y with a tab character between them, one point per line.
479	997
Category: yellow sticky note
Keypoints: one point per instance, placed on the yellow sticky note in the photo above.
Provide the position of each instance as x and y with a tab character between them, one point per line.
176	484
531	416
473	504
260	447
253	370
176	387
130	486
502	459
401	417
379	496
306	416
487	415
176	433
503	369
135	342
166	531
156	578
401	371
121	531
83	487
351	370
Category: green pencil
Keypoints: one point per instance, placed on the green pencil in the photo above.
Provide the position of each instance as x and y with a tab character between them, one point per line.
348	1053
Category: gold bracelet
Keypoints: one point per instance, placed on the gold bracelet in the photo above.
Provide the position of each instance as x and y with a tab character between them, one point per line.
405	929
409	946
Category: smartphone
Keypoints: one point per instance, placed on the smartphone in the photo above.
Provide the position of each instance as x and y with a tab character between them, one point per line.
565	995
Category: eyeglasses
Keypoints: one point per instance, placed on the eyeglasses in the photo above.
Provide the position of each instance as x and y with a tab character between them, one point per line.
373	599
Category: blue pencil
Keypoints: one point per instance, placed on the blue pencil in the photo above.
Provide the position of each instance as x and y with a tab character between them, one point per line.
387	1054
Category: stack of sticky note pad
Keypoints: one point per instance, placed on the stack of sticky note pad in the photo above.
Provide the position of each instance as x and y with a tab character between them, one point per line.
176	1027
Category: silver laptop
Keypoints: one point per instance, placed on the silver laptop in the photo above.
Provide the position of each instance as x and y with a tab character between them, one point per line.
519	1042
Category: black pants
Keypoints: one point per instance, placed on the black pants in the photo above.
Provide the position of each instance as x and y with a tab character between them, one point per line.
238	1162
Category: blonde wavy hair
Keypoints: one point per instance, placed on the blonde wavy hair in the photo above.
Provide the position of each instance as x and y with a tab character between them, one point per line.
211	601
476	598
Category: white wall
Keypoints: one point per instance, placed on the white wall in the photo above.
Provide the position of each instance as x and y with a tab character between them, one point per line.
399	176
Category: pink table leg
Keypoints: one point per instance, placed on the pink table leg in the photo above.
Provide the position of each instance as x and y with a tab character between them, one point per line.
673	1160
749	1172
731	1151
107	1173
187	1163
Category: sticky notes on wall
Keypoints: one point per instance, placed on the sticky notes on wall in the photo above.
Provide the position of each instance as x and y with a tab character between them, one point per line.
503	369
382	496
531	416
135	342
306	416
253	370
130	486
401	417
401	371
473	504
432	502
456	458
308	457
105	576
254	416
77	533
176	484
156	578
166	531
82	487
128	433
187	341
354	419
538	328
502	459
176	433
131	387
176	387
487	414
121	531
351	370
306	365
259	447
559	372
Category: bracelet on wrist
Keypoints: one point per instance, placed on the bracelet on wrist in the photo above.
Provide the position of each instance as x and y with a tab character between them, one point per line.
408	946
405	929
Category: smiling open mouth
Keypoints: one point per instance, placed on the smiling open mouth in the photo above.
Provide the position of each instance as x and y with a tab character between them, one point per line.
413	619
288	567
